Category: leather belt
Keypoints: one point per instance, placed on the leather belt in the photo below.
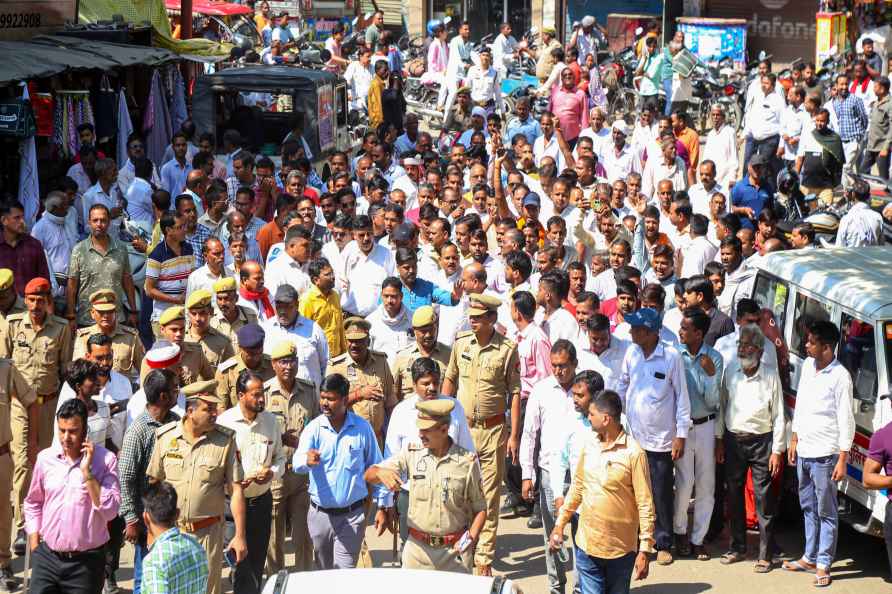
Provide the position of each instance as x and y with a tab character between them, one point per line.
69	555
339	511
487	422
199	524
44	398
4	449
446	540
702	420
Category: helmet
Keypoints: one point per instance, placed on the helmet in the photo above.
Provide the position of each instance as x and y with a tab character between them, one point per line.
431	24
787	181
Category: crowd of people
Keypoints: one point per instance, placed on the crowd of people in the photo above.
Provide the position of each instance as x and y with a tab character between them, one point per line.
561	310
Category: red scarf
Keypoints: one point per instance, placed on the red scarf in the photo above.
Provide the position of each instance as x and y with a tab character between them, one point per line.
863	84
263	298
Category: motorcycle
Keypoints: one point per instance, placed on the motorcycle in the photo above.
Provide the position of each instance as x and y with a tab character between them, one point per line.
707	92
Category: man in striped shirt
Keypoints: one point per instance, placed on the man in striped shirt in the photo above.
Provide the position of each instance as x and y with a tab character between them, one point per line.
168	267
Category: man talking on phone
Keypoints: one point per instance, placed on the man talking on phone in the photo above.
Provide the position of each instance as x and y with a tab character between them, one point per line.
444	525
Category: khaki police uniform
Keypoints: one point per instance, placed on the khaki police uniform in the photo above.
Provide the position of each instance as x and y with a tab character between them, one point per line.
291	496
402	367
227	328
127	349
374	372
215	345
485	377
227	375
445	496
200	472
41	356
15	393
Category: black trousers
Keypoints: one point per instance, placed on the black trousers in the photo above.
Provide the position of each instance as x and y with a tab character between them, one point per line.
869	158
740	456
113	546
53	574
662	482
717	522
258	522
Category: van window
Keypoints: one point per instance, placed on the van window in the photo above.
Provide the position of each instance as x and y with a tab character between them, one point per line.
857	352
770	292
807	312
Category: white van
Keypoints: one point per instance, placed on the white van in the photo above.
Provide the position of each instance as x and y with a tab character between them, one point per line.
853	289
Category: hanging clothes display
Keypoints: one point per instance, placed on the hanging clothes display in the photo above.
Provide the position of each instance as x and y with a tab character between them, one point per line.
156	124
73	108
178	111
105	100
29	187
125	127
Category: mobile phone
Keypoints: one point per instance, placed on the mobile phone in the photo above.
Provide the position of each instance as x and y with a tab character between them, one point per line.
230	557
464	542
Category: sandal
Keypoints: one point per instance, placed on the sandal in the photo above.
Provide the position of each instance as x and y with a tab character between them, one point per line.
799	565
822	581
762	566
732	557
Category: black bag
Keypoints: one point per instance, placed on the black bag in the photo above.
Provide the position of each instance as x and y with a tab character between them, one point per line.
17	118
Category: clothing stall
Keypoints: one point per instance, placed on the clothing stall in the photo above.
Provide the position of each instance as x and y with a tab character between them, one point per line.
117	88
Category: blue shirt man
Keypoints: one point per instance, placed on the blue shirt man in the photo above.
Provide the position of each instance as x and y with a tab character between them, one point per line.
528	126
748	199
173	176
418	292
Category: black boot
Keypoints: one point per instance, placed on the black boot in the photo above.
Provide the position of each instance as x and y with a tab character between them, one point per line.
20	543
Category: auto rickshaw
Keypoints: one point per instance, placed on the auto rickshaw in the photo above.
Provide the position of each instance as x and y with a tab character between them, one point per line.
267	103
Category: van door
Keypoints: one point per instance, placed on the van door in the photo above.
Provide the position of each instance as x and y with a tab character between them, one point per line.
806	311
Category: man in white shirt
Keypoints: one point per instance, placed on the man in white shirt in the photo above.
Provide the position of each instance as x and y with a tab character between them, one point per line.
556	321
763	123
308	337
391	322
605	353
365	266
485	84
699	250
504	46
136	149
739	277
105	192
823	430
618	157
546	145
598	132
750	436
212	270
290	267
792	125
721	149
549	405
861	225
655	399
701	193
359	79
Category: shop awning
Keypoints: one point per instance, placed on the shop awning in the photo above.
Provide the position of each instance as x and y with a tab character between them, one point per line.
47	55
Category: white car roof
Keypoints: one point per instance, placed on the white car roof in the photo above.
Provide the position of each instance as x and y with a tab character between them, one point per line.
386	581
859	279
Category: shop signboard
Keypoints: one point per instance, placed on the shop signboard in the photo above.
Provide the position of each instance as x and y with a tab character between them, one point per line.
712	40
785	29
20	20
830	35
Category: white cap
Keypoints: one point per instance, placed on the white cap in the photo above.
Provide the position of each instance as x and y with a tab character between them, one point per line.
588	21
479	111
621	126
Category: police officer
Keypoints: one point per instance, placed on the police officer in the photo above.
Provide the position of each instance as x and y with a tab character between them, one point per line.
447	509
199	459
127	349
371	385
216	346
194	366
250	356
10	302
13	389
294	402
425	326
459	117
483	372
259	442
228	316
39	345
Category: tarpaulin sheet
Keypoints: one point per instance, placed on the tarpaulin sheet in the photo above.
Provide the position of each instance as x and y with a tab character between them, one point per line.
155	13
47	55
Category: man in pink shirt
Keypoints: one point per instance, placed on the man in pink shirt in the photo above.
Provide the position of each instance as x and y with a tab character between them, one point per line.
534	355
74	494
570	106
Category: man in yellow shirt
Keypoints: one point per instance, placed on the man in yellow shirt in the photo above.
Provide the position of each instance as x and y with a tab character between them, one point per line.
322	304
616	525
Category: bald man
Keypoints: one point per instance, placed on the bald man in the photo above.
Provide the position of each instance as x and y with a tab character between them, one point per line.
455	319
